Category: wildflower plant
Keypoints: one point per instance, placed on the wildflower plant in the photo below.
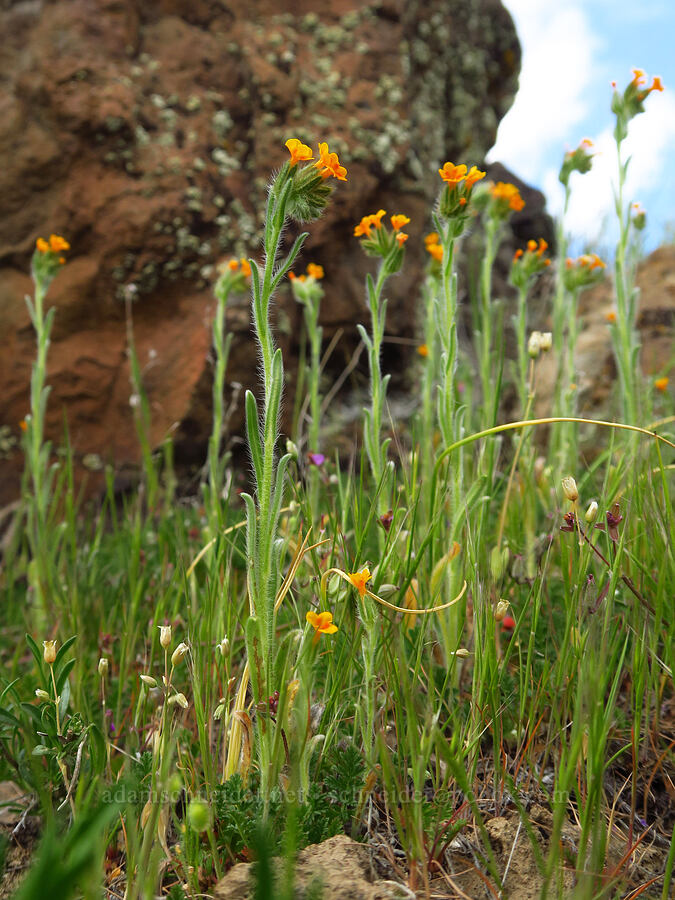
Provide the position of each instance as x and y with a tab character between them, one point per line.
48	258
378	240
300	192
526	265
625	107
579	160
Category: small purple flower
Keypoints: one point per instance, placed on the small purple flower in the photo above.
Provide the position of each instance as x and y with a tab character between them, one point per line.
316	459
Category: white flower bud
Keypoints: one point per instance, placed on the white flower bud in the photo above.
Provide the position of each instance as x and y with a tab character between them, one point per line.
49	651
223	646
42	695
149	680
534	344
570	489
179	653
592	511
545	341
164	635
180	700
501	610
103	667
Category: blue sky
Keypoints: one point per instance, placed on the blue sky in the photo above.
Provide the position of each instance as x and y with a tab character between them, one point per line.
572	50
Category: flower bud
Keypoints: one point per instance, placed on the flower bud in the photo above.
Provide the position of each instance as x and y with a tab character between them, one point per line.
164	635
223	646
501	610
180	700
198	815
103	667
534	345
591	512
179	653
49	651
462	653
570	489
218	713
545	341
499	558
42	695
149	680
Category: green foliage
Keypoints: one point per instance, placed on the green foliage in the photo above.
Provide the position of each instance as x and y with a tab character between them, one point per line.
69	864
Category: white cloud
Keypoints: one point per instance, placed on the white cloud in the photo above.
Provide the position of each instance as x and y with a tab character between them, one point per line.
559	49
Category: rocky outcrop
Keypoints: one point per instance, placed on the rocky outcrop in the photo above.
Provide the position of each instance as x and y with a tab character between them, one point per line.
146	133
594	359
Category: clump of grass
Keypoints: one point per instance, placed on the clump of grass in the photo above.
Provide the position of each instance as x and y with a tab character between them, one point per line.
402	647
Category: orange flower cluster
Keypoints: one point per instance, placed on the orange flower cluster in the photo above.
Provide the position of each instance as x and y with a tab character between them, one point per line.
381	242
313	271
661	384
640	80
329	164
55	244
433	246
631	103
453	175
363	229
528	263
537	249
587	261
243	265
583	272
508	195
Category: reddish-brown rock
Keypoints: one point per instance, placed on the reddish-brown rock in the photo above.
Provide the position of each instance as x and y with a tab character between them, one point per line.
146	132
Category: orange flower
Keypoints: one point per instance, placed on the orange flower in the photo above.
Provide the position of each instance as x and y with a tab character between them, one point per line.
315	271
245	268
233	265
661	384
398	221
23	425
322	623
423	350
329	164
401	238
473	176
451	174
431	238
42	245
517	254
508	193
656	84
367	222
610	316
436	251
531	246
299	152
359	579
638	77
58	243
